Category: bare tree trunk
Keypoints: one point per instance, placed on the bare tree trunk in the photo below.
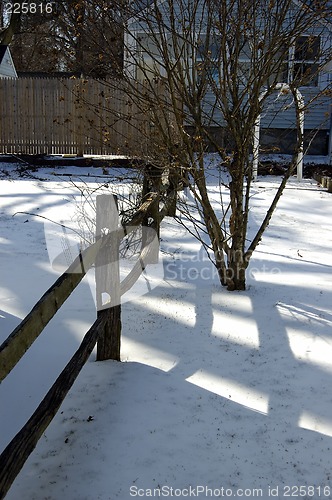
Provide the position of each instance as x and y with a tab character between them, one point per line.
236	269
12	28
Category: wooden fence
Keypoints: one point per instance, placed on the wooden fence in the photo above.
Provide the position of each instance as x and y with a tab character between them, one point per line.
74	116
105	331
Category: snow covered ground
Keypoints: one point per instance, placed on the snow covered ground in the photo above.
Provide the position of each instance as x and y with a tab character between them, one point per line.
220	394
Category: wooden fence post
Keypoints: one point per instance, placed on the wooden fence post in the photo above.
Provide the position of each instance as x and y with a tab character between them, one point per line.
107	271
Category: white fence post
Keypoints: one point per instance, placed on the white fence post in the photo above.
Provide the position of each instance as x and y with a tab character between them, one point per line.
108	296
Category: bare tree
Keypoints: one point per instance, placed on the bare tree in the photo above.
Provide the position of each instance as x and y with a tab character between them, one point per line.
83	37
220	62
90	36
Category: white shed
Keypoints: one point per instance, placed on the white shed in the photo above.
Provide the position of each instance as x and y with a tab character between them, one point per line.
7	68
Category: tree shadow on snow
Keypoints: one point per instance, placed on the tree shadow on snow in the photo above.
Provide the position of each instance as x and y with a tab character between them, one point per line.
216	388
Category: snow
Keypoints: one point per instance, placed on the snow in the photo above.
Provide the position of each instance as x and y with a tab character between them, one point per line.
218	394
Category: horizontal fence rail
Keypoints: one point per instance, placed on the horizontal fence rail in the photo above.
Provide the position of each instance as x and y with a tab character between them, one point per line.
74	116
16	453
19	341
18	450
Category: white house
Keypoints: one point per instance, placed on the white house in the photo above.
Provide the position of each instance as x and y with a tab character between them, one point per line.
278	118
7	67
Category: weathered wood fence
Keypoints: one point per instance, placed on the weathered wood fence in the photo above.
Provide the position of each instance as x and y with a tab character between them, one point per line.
75	116
105	331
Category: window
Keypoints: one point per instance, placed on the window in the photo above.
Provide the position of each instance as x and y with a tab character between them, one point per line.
305	60
281	61
245	62
208	55
208	47
299	63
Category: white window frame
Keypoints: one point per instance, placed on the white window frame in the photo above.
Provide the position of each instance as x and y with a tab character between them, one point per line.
313	62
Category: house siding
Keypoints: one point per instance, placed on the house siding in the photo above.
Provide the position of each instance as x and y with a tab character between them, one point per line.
278	112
